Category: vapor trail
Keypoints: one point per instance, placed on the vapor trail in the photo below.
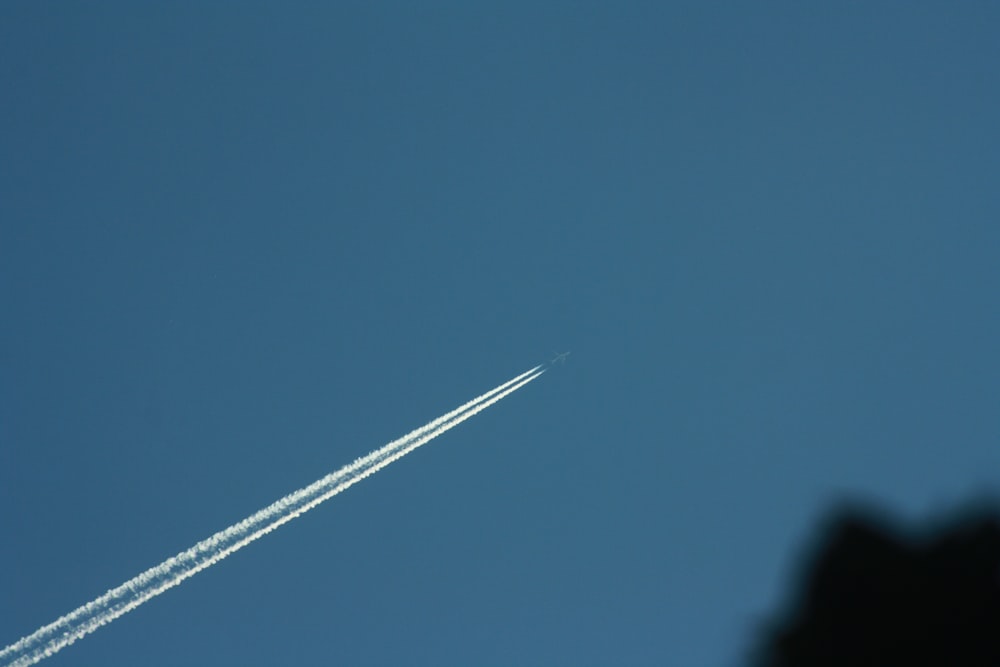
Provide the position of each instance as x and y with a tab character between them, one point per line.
50	639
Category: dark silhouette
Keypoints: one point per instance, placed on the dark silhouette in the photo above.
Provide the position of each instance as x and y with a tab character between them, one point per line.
874	594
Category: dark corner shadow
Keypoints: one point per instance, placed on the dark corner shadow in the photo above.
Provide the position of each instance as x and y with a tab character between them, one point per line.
874	591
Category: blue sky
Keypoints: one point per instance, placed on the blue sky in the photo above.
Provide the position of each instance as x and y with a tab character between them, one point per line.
241	245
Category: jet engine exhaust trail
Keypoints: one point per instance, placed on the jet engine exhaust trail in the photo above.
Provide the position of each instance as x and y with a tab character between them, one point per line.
49	639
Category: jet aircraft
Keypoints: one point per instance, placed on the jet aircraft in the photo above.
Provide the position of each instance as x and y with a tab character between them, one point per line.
561	358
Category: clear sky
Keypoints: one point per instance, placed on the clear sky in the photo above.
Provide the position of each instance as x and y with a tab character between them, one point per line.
242	244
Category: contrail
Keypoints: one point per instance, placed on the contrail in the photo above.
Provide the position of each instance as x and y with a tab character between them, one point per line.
50	639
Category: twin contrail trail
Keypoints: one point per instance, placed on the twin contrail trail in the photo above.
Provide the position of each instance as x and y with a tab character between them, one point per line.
51	638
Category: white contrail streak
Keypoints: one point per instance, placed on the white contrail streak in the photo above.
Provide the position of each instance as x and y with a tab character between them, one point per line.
51	638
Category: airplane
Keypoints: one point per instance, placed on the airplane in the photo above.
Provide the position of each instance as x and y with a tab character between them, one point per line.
560	358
